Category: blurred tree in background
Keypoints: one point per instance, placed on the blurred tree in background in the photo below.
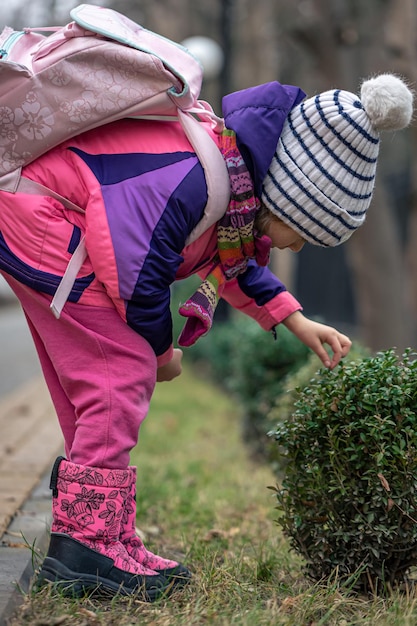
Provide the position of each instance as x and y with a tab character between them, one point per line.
370	284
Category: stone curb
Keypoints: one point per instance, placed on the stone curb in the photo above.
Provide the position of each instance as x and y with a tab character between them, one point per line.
30	441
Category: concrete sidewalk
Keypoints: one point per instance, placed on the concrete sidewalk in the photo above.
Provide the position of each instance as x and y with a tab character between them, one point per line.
30	439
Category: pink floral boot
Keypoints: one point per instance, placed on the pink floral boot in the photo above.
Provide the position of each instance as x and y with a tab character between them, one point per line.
85	552
177	573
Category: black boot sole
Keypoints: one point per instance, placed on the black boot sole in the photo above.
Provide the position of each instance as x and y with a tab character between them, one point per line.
74	585
76	570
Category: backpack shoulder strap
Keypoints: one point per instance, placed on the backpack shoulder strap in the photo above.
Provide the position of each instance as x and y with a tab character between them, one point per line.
64	288
215	171
79	255
26	185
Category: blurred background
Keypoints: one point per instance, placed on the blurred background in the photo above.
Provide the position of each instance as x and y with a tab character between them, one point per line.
368	287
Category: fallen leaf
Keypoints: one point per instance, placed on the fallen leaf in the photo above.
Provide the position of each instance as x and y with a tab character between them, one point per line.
384	482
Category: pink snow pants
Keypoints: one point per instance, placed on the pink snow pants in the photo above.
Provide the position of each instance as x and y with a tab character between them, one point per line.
100	374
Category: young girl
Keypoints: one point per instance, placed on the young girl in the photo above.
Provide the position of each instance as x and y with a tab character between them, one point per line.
300	171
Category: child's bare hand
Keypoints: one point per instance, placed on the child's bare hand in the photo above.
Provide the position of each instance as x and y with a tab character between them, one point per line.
170	370
315	335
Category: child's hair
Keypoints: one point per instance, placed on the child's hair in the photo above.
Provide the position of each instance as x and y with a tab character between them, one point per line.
263	219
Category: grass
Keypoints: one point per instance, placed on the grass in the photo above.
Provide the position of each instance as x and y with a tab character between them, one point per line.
203	500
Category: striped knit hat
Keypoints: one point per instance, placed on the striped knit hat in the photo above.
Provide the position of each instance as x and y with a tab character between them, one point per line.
321	179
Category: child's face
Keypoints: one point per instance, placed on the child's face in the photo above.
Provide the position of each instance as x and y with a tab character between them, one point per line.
283	236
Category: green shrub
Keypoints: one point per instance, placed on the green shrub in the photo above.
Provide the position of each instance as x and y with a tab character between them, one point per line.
293	384
348	496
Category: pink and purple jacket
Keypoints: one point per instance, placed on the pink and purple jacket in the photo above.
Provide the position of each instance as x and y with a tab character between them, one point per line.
143	191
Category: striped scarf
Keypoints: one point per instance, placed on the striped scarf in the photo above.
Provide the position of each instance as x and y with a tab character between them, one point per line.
236	244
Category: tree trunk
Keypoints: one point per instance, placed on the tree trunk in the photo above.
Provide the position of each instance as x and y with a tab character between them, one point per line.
375	256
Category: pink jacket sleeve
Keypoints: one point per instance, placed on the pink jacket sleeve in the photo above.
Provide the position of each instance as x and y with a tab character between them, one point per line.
269	314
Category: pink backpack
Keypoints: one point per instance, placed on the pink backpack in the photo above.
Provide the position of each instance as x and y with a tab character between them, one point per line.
97	69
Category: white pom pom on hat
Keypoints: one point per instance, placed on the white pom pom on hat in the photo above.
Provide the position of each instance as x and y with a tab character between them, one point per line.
321	179
387	102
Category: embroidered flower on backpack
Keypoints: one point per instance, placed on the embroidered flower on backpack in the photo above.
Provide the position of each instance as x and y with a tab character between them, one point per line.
59	76
33	120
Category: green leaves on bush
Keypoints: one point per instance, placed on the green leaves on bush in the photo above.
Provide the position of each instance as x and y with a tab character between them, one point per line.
284	403
348	499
